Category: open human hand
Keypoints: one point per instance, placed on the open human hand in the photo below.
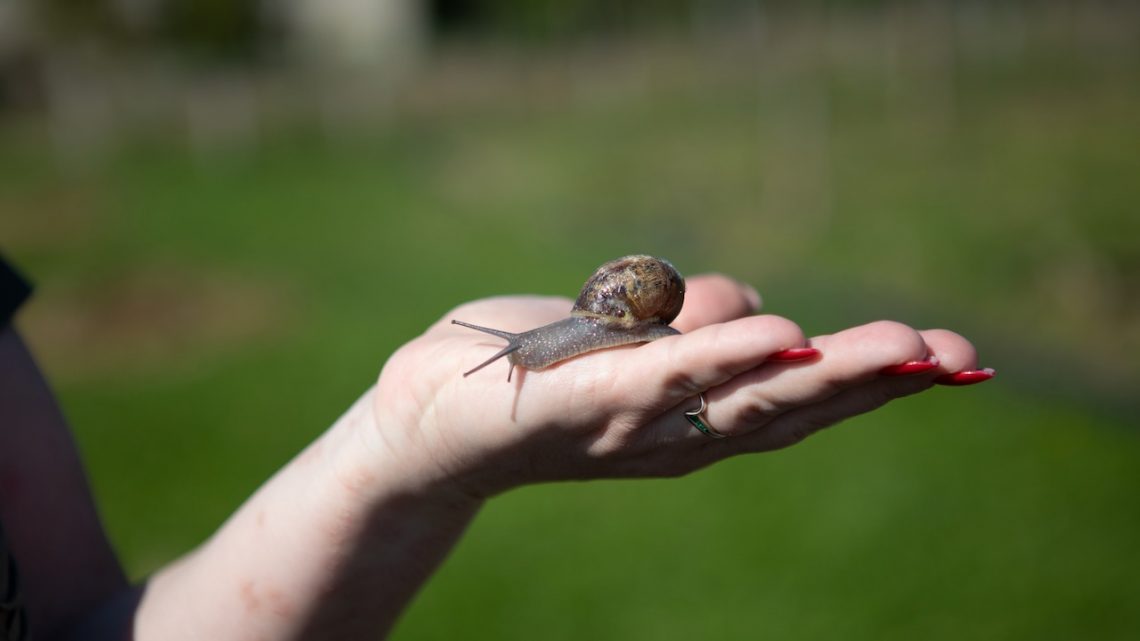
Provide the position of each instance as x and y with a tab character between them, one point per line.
619	412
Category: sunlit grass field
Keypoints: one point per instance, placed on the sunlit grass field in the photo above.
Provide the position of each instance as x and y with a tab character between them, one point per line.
205	313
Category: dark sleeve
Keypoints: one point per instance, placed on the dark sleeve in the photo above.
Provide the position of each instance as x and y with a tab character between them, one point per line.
14	290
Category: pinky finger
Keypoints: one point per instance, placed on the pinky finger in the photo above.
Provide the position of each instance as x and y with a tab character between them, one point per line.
796	425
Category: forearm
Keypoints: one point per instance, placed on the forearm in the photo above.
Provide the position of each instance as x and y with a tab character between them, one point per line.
333	547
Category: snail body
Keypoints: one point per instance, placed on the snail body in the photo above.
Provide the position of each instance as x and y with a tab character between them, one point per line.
628	300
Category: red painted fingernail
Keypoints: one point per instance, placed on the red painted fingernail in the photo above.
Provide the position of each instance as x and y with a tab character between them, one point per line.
794	354
968	377
910	367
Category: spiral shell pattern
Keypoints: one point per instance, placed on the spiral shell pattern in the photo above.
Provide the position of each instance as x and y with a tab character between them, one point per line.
633	290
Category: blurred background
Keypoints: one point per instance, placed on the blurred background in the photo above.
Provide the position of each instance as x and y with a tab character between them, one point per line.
234	211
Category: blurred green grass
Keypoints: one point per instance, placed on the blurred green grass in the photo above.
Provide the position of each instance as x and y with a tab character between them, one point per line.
992	194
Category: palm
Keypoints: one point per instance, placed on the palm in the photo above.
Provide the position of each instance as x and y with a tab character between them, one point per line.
484	412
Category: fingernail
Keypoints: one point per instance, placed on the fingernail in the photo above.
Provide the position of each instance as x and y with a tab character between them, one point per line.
795	354
968	377
910	367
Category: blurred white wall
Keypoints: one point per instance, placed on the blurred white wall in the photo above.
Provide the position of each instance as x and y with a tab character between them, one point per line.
388	35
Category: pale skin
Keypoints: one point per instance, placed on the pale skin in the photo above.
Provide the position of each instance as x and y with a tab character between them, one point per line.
336	544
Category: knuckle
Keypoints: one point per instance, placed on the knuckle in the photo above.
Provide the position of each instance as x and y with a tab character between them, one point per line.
955	351
782	331
757	412
890	329
898	339
684	382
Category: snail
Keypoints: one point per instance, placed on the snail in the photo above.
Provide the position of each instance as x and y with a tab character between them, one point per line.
628	300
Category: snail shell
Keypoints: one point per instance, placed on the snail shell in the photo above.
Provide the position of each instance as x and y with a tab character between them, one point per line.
628	300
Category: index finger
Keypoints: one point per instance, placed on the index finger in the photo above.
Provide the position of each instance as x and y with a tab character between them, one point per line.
660	374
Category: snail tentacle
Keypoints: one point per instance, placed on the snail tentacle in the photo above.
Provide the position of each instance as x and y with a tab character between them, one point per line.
513	345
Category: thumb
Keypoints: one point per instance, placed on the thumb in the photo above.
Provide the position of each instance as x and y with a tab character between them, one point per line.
714	298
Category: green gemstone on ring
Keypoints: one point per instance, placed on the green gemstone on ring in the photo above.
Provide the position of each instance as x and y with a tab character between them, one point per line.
700	425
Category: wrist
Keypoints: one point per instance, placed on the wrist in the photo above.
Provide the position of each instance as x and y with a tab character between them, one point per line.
347	518
379	459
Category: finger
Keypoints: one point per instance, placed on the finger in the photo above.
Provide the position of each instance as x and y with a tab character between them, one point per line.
848	359
796	425
859	385
713	298
658	375
954	353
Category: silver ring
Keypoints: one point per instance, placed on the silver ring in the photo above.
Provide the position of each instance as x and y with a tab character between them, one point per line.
694	418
